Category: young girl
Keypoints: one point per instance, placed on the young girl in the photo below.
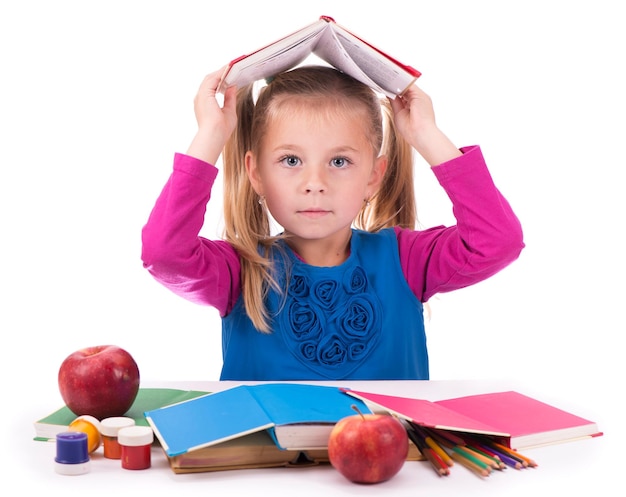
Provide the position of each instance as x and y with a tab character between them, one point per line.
338	292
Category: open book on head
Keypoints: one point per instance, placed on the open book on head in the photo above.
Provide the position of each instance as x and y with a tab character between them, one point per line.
332	43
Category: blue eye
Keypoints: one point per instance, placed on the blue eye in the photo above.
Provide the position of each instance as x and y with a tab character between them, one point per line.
339	162
290	161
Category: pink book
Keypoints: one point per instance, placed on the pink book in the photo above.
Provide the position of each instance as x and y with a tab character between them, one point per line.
518	420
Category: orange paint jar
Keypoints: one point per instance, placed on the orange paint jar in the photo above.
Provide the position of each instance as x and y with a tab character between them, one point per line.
91	427
109	429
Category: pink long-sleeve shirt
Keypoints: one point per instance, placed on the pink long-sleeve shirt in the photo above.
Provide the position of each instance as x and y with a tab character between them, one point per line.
486	238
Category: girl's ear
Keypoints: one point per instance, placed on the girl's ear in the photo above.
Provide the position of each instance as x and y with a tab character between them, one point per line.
378	172
253	172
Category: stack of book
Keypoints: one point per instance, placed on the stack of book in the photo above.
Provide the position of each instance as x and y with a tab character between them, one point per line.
268	425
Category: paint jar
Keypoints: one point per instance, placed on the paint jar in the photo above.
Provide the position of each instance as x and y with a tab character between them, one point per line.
91	427
109	428
136	444
72	456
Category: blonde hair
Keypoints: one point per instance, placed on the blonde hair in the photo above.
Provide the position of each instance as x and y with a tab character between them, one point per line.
246	222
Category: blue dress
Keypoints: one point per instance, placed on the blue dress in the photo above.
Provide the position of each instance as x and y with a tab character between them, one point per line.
355	321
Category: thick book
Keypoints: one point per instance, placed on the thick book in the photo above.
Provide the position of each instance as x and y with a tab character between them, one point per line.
256	450
56	422
520	421
296	416
332	43
253	451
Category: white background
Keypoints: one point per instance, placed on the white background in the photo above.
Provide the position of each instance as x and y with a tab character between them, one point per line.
95	98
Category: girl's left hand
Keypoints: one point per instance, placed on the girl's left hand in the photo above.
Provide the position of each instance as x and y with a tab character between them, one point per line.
414	117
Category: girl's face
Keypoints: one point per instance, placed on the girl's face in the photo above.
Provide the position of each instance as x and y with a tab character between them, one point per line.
315	174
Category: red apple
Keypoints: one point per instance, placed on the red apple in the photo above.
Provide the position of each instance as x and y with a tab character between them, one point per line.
368	448
101	381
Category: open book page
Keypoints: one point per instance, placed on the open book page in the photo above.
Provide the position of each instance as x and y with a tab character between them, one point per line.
363	62
331	49
256	450
303	436
272	59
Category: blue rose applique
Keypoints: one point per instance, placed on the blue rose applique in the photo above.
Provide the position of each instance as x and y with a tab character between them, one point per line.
332	351
299	286
325	293
355	281
332	324
359	318
304	320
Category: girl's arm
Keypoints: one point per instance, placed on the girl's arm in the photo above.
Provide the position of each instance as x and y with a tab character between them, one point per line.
200	270
487	237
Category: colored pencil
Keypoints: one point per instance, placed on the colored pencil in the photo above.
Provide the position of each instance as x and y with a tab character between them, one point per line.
470	465
439	451
509	461
427	433
471	457
488	454
490	461
502	450
480	454
435	461
441	462
474	444
515	454
454	439
440	467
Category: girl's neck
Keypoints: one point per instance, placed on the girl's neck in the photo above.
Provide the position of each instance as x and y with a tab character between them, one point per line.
322	253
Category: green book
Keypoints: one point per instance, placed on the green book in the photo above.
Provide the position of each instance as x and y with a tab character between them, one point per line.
147	399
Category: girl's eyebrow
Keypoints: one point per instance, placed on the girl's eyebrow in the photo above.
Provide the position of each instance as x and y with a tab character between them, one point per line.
296	148
282	147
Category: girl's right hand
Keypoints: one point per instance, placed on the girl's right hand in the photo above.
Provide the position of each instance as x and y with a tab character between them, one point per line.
215	123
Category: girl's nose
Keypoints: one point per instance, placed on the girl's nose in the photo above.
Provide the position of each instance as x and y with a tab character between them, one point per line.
315	179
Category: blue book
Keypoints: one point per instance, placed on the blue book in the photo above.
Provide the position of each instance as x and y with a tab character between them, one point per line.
297	416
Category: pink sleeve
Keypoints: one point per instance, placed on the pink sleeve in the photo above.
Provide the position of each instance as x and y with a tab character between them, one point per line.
487	237
200	270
